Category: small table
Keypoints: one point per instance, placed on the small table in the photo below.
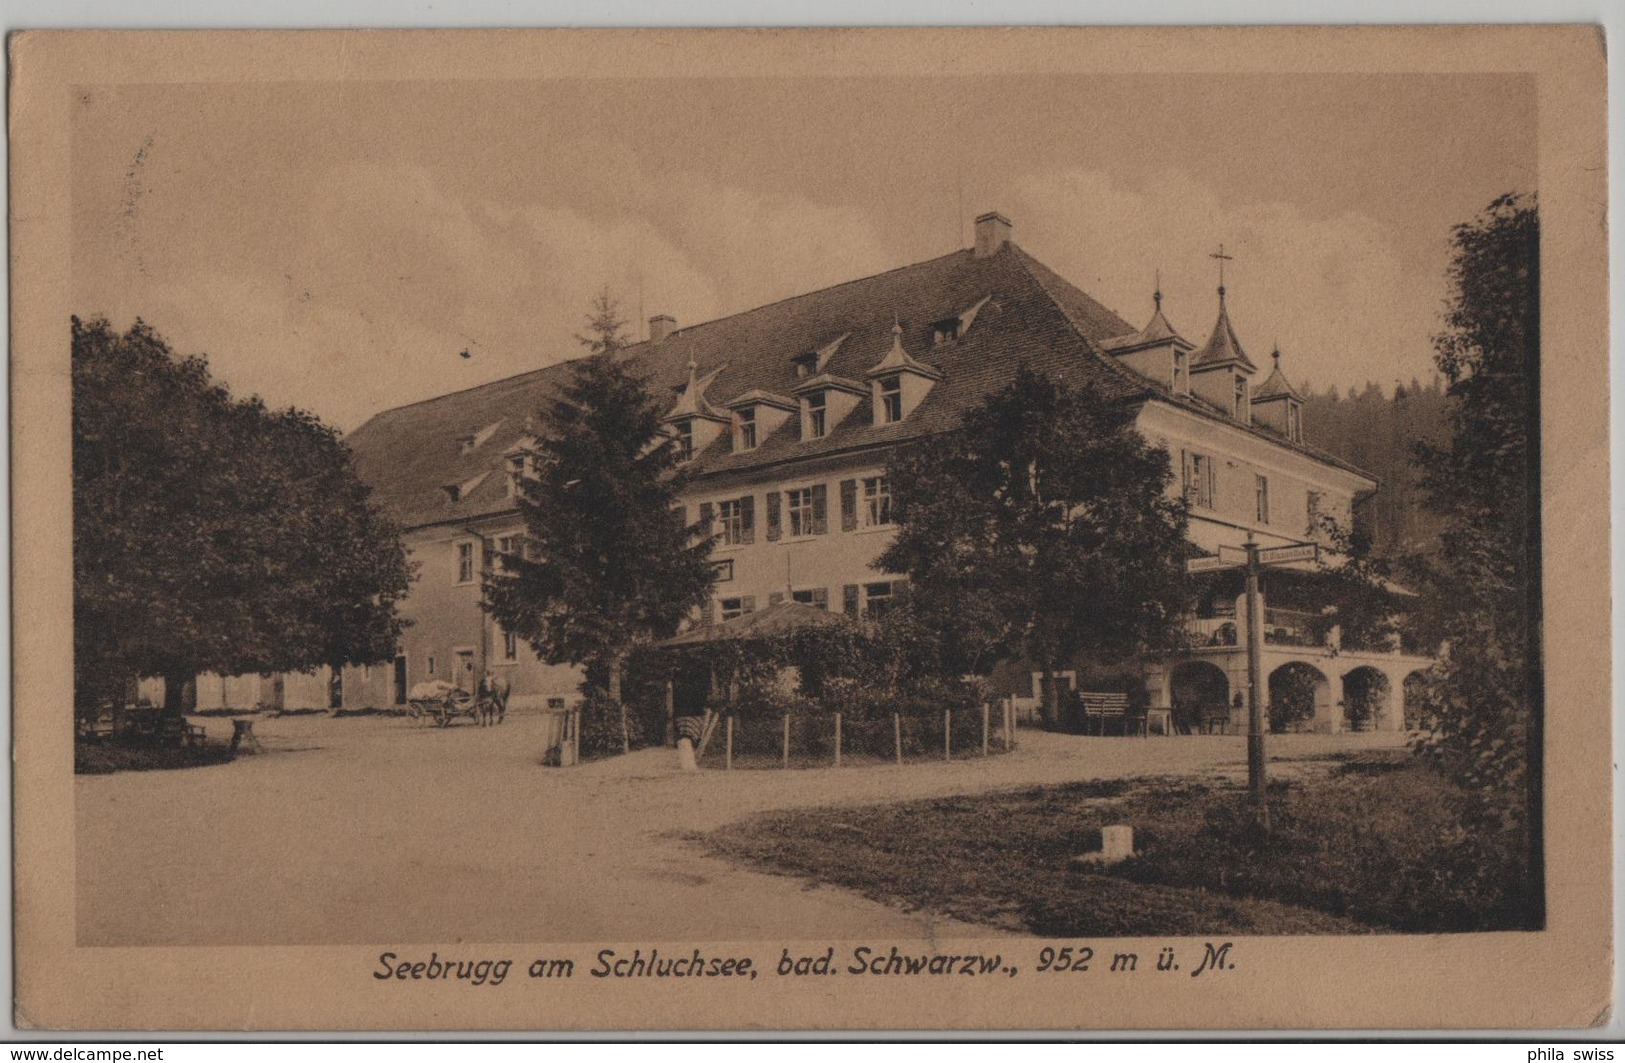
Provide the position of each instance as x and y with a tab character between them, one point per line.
242	738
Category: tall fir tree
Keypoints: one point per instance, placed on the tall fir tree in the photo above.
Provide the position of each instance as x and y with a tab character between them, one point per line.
610	562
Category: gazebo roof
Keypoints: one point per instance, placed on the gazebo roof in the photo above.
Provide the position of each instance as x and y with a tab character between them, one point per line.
782	618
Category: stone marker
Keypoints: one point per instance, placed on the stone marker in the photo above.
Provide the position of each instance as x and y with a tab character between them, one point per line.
1116	845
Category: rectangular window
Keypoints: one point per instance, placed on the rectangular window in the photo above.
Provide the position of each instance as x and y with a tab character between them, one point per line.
945	332
1181	373
805	365
520	467
510	646
431	666
1315	531
1199	480
1294	422
800	506
725	570
731	514
685	440
876	502
465	562
891	400
877	599
731	607
818	596
1261	499
816	424
747	429
1241	398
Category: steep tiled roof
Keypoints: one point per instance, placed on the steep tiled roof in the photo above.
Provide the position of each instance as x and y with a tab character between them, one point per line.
1222	347
1030	316
1277	386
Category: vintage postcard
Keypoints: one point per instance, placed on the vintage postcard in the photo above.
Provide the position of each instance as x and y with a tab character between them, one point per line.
1030	529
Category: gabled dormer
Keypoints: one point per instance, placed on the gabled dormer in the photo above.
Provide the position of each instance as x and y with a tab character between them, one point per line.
811	363
758	414
693	422
826	400
1157	351
953	329
1278	404
1221	372
519	463
898	383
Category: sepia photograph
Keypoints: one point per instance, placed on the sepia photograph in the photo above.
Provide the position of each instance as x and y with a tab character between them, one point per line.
737	523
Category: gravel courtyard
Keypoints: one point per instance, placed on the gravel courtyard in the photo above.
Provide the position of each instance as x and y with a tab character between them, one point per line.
374	829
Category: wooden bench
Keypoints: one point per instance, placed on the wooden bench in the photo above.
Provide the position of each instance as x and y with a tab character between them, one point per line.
1098	708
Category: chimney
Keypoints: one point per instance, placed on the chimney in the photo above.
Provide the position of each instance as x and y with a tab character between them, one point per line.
992	232
661	326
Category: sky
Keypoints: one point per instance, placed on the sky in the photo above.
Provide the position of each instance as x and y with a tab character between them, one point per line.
337	246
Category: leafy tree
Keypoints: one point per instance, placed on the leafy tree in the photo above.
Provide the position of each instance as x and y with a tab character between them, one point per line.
1482	701
611	564
1355	583
1047	520
213	534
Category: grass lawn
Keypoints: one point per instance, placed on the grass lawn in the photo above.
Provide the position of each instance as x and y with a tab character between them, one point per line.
95	758
1372	844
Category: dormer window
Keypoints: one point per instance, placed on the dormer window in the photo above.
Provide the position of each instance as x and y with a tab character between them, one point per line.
474	440
745	429
683	433
1240	411
806	365
816	412
521	467
458	492
1294	422
1182	372
945	331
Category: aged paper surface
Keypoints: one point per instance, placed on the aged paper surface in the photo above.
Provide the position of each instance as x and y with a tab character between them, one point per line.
212	909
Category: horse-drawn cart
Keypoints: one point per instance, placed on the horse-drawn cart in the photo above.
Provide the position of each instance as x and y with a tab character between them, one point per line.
440	702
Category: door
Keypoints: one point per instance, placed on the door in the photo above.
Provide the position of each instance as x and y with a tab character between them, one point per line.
400	679
465	670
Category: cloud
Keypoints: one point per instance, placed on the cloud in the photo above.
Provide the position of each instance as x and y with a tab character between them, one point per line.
365	298
1332	290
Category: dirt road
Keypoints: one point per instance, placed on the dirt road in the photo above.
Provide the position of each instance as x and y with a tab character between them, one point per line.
373	829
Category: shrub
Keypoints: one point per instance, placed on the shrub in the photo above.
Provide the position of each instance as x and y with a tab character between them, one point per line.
601	727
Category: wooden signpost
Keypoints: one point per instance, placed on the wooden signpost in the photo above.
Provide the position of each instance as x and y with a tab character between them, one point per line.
1252	560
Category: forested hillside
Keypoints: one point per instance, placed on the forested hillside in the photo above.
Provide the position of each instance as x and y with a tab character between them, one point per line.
1377	432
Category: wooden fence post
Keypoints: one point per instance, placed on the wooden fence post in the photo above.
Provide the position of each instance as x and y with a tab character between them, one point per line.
837	739
987	723
787	740
728	748
671	715
897	735
947	734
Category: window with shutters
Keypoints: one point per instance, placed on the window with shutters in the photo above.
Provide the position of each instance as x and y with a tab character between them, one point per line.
818	596
1199	480
802	507
735	518
876	502
465	562
775	523
877	598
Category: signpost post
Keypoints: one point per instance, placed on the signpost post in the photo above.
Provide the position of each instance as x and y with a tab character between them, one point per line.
1254	560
